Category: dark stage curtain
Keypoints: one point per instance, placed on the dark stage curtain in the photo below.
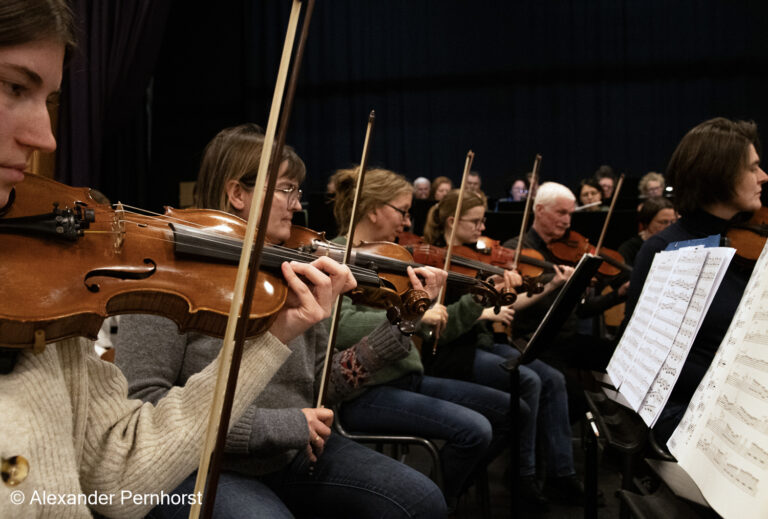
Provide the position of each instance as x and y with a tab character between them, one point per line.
104	122
584	83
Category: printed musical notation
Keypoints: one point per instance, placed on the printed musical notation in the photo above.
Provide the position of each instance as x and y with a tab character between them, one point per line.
722	441
684	327
741	479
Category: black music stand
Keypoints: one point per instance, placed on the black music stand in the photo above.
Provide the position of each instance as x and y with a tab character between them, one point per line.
565	302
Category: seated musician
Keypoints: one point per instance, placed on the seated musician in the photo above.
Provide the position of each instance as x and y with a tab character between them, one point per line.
655	215
552	209
467	351
68	429
473	420
270	449
716	175
590	193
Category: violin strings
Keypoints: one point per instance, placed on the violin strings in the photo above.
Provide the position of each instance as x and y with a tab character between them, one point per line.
211	239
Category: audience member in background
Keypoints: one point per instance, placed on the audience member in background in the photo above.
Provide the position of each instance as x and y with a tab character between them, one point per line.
421	188
607	180
474	182
440	187
652	184
590	193
655	215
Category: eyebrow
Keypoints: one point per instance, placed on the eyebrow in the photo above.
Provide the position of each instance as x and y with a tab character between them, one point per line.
30	74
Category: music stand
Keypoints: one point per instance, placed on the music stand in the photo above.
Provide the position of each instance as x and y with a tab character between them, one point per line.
567	299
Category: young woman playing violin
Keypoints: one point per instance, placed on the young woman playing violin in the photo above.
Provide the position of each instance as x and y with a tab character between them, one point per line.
281	433
473	419
68	428
467	351
717	180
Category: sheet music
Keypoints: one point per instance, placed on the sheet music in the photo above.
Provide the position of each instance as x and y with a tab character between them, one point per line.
664	325
632	339
711	275
722	441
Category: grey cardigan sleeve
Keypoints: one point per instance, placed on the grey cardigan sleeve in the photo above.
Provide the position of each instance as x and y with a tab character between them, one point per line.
152	355
150	351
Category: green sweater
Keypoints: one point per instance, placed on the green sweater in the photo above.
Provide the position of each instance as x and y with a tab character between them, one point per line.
356	322
455	353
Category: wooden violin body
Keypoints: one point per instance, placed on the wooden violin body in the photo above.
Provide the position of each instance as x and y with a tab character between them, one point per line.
749	238
129	265
572	246
403	303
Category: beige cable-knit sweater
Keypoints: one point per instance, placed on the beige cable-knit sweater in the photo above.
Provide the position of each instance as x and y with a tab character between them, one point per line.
66	411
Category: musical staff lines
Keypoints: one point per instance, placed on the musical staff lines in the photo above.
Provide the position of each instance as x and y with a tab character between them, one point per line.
726	424
741	479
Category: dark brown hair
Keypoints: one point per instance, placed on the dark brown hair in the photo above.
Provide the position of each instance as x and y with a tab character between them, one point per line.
24	21
651	207
706	165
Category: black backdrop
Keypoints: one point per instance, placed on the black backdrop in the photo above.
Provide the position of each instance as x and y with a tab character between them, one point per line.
582	82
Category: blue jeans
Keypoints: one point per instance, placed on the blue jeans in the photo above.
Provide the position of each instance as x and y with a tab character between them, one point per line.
472	419
348	480
550	408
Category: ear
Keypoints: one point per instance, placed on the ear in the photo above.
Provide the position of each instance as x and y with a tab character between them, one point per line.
449	222
235	194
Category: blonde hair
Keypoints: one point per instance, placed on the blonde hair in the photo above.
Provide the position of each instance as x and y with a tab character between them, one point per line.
439	213
651	176
379	188
234	154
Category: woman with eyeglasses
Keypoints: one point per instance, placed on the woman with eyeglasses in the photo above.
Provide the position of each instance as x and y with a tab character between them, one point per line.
473	419
467	350
282	433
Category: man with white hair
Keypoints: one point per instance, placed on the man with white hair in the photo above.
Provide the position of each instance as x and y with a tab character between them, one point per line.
421	187
552	209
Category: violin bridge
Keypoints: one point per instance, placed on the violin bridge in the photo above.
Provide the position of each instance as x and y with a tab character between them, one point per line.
118	227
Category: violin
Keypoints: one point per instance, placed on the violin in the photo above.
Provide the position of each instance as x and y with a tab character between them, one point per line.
488	258
748	238
181	265
390	260
572	246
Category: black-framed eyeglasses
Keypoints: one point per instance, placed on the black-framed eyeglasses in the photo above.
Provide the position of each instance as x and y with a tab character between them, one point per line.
476	222
404	213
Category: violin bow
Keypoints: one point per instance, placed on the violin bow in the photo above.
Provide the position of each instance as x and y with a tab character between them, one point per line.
527	210
449	251
326	373
608	216
250	260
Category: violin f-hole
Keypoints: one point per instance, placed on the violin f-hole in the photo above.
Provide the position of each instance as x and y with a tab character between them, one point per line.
121	273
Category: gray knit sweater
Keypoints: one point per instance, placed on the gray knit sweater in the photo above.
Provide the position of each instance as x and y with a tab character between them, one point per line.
155	357
65	410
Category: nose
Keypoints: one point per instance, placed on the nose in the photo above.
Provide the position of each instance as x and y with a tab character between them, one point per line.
482	226
37	134
761	176
295	205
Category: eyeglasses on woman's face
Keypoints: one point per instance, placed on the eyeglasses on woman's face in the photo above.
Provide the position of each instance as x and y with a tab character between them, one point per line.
403	212
474	222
